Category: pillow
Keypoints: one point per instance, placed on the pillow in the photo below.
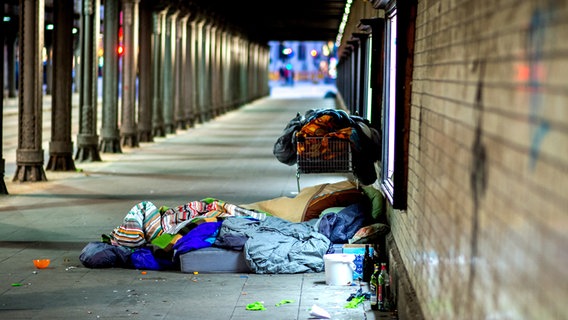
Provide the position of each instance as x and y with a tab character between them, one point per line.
370	233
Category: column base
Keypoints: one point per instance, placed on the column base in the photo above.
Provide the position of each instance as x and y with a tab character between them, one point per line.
145	136
130	140
110	145
30	173
88	153
61	162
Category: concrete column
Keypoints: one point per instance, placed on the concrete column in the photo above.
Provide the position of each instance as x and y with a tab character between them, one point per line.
60	145
223	70
145	90
87	139
251	71
227	44
243	64
213	68
267	78
179	70
265	54
3	189
158	49
233	67
110	136
218	69
258	71
168	68
237	70
206	102
199	70
193	65
187	90
248	63
259	75
29	155
128	128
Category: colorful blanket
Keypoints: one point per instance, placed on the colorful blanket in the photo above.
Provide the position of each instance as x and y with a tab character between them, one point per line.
144	222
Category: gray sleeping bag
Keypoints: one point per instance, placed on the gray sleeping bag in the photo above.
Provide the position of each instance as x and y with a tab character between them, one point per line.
276	246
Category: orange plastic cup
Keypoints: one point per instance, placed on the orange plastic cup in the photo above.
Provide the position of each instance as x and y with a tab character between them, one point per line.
41	263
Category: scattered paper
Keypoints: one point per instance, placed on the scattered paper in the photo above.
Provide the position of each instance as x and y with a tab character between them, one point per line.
319	313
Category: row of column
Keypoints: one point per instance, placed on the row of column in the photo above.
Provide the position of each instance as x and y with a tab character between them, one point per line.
180	67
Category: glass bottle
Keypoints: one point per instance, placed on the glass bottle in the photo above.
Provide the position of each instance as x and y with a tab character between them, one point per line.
368	265
383	294
373	287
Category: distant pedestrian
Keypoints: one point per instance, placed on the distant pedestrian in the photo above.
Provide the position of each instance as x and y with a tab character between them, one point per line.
282	72
291	79
286	76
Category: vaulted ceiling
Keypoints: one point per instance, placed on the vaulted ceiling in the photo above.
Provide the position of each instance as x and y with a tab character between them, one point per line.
259	20
306	20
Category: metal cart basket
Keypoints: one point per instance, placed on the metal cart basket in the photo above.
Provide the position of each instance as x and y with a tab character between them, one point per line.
322	155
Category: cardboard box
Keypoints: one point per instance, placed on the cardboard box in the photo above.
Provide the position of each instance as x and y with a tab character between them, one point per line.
359	251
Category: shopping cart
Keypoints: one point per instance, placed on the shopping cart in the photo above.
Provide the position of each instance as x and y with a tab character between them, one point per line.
322	155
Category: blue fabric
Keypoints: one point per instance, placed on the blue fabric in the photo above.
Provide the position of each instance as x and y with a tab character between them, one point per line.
146	259
104	255
202	236
340	227
143	258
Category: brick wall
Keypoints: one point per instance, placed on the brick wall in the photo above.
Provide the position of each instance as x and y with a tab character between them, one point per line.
485	232
486	226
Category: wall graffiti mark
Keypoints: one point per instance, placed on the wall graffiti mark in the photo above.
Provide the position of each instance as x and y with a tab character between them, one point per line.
536	36
478	175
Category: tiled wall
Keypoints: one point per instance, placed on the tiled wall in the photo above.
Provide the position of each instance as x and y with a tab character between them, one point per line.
485	235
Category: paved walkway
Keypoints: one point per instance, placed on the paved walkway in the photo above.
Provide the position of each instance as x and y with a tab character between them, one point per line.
229	158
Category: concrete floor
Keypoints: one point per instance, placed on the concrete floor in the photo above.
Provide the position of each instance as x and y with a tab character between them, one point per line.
229	158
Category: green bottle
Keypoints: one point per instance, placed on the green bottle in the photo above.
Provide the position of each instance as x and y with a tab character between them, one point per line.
373	287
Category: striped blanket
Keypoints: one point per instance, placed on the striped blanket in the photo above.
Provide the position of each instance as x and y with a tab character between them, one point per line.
144	222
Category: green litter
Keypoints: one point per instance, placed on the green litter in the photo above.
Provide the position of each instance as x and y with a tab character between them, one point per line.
285	301
16	284
354	302
256	306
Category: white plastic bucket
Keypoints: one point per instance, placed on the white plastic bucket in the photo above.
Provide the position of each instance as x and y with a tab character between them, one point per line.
339	268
